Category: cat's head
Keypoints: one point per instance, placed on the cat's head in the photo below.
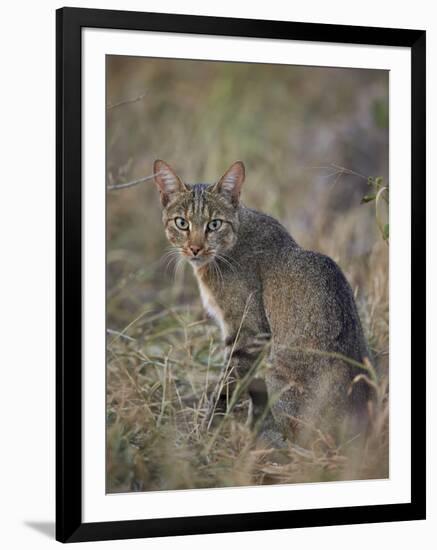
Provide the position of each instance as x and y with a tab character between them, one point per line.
200	220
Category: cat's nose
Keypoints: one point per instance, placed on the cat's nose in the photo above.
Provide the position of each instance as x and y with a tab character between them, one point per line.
195	249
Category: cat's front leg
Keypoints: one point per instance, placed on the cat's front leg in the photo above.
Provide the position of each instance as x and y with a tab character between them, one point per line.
243	356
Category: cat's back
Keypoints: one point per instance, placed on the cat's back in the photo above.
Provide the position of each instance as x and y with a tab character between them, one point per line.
304	291
259	233
309	300
280	256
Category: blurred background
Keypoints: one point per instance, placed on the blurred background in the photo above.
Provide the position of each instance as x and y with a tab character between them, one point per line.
293	127
310	137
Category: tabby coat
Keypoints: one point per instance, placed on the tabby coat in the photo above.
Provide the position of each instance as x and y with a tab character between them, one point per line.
262	288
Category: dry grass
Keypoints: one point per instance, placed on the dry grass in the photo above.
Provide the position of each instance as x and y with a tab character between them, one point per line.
159	369
162	353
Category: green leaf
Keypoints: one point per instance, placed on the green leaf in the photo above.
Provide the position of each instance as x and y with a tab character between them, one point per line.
385	232
368	198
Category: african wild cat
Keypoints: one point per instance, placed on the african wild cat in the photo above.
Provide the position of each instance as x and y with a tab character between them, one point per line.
269	288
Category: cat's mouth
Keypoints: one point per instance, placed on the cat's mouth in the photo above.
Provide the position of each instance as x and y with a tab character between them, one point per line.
199	259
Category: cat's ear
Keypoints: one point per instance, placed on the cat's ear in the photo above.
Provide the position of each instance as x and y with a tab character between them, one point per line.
167	181
231	182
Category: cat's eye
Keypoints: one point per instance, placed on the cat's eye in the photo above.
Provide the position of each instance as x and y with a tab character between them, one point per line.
214	225
181	223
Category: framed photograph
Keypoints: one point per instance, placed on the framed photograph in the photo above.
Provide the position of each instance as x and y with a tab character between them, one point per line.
240	275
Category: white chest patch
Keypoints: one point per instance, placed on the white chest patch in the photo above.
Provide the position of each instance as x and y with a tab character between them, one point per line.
211	307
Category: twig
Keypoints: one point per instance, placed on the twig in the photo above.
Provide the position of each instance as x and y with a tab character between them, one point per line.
338	171
344	170
120	335
131	183
125	102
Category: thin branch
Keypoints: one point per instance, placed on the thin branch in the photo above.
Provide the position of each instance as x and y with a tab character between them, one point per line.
125	102
344	170
131	183
120	335
338	170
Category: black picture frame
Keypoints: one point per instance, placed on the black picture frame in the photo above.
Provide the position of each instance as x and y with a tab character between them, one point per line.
69	24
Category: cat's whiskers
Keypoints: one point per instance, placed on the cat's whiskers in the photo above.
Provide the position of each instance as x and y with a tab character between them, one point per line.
172	262
170	257
170	251
218	271
227	262
178	266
